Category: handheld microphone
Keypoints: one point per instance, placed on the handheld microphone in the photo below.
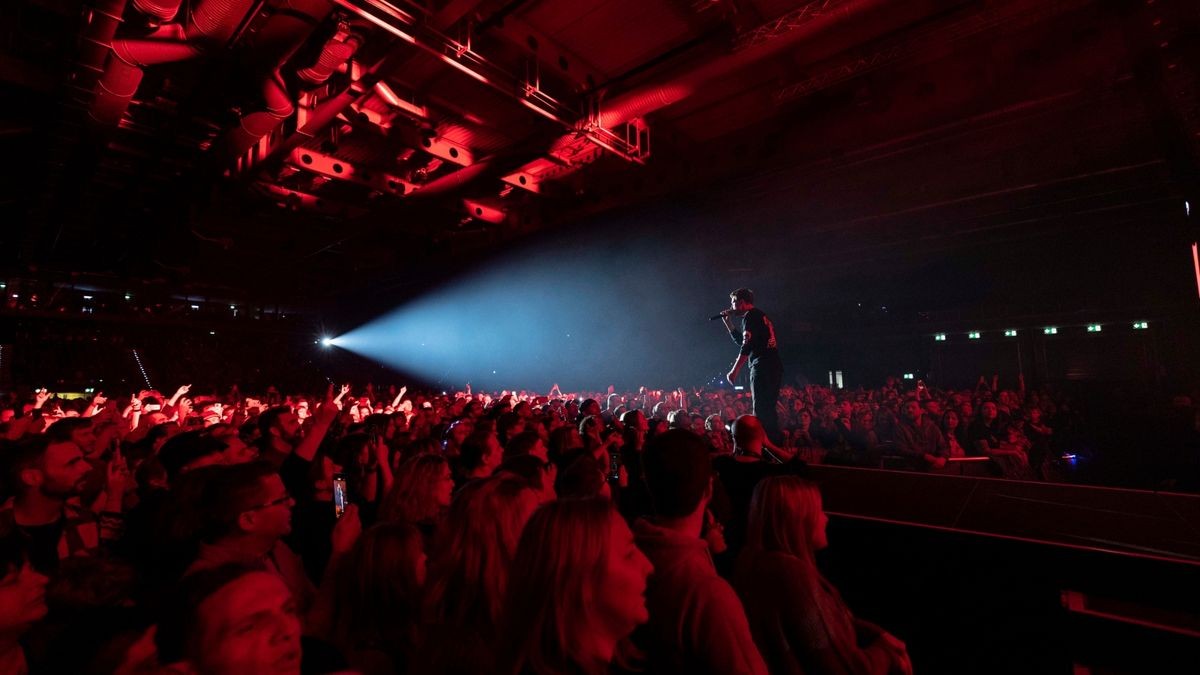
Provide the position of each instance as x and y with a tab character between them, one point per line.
716	317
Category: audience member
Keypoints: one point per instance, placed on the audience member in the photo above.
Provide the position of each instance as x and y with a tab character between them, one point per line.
798	619
231	619
697	624
377	608
576	592
919	440
420	495
249	567
43	476
740	472
464	603
22	598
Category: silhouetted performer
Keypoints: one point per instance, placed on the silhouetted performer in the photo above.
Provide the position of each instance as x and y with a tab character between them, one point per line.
759	347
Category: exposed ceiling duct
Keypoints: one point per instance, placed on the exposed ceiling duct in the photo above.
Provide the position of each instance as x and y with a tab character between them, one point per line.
210	24
161	11
273	45
272	119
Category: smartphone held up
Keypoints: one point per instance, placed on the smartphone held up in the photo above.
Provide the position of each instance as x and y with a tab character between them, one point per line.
339	494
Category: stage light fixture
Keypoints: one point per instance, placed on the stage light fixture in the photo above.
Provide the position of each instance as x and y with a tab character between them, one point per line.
326	342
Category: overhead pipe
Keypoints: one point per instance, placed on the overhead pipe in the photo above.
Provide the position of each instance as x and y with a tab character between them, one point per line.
209	24
277	107
162	11
101	21
329	109
274	45
338	50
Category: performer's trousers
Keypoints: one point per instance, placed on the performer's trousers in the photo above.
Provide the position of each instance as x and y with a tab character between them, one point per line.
766	376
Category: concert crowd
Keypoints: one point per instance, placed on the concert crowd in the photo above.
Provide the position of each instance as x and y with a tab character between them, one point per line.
388	531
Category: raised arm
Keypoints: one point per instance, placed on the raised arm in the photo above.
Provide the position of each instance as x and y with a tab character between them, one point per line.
96	405
396	401
321	420
178	393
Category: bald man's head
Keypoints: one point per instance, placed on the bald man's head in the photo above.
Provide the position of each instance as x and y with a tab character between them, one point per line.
748	433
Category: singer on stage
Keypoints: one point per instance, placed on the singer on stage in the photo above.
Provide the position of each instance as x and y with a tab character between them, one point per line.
756	337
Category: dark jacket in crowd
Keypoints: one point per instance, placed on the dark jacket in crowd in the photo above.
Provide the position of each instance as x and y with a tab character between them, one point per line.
914	441
697	624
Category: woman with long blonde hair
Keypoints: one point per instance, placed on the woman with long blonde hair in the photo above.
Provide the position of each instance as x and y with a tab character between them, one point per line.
575	593
470	568
420	495
799	621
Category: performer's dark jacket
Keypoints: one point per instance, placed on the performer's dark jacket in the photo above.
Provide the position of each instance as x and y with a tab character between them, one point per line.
756	338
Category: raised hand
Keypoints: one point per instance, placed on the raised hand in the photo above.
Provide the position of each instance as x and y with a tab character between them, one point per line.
346	531
330	407
380	450
117	476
